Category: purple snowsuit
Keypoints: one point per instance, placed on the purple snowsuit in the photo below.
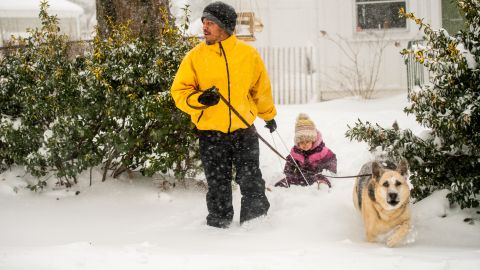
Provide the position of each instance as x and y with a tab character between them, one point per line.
312	162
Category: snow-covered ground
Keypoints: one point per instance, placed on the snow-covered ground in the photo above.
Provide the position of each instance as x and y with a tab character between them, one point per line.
132	224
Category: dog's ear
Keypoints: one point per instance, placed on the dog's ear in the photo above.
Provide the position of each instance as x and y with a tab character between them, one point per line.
403	167
376	171
371	191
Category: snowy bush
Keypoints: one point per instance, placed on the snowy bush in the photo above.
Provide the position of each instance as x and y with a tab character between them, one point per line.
111	106
39	86
448	157
129	81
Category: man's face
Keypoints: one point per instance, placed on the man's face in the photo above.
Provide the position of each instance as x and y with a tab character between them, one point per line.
212	32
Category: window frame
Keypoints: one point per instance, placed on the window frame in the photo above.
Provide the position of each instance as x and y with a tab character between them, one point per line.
358	29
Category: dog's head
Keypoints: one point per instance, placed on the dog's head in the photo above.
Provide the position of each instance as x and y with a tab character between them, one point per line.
390	188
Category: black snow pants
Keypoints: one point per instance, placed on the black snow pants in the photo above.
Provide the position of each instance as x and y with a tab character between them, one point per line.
220	153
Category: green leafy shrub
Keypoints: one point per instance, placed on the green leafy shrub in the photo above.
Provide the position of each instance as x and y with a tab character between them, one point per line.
132	78
39	85
110	106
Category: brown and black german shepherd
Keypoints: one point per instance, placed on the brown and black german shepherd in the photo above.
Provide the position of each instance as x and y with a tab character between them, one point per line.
383	200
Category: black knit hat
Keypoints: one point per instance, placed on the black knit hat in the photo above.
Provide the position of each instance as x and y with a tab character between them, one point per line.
222	14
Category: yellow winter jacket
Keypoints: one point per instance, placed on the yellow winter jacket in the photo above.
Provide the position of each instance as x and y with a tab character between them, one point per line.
250	90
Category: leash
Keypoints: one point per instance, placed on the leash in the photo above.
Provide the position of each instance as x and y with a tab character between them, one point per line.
263	139
260	136
350	176
236	113
246	123
294	162
276	147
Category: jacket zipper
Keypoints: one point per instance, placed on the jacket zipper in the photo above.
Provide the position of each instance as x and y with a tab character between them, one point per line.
228	80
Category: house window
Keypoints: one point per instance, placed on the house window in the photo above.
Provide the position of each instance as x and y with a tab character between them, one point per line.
378	14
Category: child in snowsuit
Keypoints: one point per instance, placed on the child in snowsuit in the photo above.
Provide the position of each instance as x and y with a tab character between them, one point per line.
309	154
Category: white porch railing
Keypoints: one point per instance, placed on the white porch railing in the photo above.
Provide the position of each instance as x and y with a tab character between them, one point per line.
292	73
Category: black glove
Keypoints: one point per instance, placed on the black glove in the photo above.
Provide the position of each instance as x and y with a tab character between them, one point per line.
209	97
271	125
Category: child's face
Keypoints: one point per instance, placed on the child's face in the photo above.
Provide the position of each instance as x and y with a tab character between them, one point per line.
306	145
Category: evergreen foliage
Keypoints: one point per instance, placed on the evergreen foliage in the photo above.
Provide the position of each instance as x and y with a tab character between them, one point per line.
38	85
110	106
447	156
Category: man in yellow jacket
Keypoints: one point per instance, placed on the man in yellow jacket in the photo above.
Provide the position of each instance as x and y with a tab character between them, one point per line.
226	68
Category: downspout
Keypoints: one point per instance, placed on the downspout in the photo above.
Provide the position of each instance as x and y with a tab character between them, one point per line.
77	24
317	64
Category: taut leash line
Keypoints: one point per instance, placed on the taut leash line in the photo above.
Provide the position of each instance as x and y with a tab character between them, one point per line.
350	176
236	113
260	137
294	161
246	123
276	147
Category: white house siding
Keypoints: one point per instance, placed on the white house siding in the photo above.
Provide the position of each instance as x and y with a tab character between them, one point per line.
297	23
18	15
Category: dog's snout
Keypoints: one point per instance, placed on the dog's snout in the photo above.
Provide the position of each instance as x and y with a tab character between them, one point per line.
392	196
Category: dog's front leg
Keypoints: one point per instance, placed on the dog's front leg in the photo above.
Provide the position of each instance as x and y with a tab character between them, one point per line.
400	232
371	230
370	222
371	237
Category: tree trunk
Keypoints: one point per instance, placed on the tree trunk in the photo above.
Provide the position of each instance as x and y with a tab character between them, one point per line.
145	16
